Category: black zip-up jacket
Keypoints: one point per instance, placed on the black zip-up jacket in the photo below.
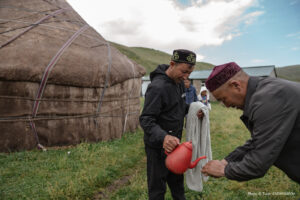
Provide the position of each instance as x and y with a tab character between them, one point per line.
164	108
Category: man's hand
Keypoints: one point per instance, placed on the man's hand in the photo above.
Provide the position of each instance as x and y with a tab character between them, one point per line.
214	168
224	162
170	142
200	114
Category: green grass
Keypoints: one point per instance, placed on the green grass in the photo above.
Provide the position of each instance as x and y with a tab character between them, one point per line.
227	132
150	58
91	170
55	174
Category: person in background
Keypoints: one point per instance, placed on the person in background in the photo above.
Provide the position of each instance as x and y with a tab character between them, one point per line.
162	121
190	92
271	112
204	97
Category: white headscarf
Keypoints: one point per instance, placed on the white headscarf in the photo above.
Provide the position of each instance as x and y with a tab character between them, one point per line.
203	88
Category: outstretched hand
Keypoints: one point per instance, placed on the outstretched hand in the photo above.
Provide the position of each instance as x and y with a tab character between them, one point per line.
215	168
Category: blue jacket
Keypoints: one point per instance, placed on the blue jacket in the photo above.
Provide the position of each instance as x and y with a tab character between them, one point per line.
191	95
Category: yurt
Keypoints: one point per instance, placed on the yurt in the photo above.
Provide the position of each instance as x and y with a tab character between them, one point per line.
61	82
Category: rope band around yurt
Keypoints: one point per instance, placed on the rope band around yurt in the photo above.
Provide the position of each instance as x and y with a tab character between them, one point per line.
105	84
46	75
31	27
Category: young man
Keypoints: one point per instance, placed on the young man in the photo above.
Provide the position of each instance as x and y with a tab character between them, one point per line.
190	92
162	120
271	114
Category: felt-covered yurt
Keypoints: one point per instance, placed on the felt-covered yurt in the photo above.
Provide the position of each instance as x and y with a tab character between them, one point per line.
61	83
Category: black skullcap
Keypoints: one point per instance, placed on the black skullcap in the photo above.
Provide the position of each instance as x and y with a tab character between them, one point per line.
184	56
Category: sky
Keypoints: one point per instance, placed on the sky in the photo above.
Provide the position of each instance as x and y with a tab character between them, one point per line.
248	32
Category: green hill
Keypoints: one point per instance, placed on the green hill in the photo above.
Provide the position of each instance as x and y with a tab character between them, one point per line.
289	72
150	58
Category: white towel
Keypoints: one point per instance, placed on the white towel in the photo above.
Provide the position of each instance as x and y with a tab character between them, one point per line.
198	132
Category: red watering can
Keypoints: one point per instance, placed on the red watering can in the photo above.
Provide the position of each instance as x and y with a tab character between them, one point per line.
179	160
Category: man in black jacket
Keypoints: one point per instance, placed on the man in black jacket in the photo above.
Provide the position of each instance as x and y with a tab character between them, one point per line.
162	120
271	114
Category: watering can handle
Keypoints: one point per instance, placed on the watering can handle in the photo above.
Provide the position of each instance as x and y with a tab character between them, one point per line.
172	151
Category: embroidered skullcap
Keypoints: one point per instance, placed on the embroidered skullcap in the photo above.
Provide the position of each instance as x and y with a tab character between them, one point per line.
184	56
220	75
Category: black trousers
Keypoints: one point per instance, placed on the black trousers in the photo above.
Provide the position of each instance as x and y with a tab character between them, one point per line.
158	175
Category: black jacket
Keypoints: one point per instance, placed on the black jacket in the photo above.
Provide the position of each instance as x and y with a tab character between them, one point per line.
272	115
164	108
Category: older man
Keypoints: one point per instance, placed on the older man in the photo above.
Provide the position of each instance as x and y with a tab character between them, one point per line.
162	120
271	114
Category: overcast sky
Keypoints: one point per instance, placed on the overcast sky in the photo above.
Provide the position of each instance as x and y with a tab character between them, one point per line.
249	32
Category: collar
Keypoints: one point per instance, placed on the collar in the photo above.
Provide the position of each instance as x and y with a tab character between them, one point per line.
251	88
188	89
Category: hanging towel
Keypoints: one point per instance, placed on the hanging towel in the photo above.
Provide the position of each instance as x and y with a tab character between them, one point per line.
197	131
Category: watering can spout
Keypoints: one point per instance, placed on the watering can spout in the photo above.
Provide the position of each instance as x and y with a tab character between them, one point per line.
194	163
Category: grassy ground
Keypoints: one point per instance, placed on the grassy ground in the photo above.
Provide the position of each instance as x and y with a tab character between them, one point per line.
70	173
116	169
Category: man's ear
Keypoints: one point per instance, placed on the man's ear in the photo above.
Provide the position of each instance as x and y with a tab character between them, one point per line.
172	63
170	69
235	84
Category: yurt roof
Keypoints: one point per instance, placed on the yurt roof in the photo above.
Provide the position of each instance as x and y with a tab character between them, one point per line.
47	39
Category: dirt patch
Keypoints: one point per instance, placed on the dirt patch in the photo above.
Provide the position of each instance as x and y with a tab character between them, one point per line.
117	184
128	177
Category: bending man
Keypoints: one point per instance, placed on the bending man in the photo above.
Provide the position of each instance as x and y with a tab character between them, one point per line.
271	114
